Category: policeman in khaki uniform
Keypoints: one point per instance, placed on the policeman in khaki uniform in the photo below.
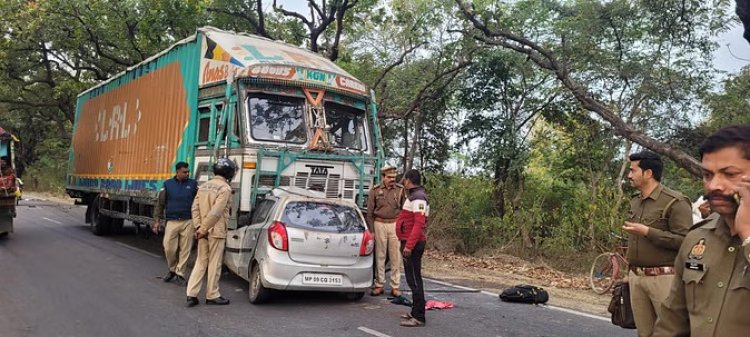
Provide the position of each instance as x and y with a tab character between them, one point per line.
210	216
658	220
383	206
710	296
174	205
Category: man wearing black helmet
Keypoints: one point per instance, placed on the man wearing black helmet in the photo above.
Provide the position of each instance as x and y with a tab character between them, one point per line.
210	216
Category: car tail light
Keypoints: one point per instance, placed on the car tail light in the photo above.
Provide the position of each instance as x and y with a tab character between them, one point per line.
368	243
277	236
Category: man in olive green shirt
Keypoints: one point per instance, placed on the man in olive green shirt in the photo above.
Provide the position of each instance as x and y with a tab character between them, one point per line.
710	295
657	223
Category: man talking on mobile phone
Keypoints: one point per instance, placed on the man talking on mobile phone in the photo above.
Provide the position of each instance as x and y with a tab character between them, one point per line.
710	294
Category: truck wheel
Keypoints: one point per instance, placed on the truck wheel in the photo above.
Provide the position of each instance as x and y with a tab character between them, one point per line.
100	224
256	291
116	225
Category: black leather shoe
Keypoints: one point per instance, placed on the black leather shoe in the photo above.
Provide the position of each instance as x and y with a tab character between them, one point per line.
218	301
180	280
192	301
169	276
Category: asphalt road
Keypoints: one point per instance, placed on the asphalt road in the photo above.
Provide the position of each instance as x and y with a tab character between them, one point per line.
58	279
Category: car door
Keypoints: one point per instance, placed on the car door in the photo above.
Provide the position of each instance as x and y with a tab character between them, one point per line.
233	247
251	234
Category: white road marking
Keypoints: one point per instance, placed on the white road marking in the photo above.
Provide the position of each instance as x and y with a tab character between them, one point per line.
53	221
451	285
138	250
570	311
575	312
372	332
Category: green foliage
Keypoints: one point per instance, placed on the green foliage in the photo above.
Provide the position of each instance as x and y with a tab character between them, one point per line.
730	106
556	214
460	213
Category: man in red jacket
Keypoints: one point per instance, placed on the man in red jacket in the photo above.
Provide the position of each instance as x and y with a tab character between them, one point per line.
410	227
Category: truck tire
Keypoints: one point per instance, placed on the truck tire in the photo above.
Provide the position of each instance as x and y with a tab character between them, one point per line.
100	224
256	291
116	226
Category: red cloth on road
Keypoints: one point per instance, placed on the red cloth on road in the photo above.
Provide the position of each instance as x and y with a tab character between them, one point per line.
432	304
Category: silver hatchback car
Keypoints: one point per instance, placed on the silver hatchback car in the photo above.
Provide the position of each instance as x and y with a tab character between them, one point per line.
298	240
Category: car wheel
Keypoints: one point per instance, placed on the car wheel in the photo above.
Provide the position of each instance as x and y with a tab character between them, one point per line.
256	291
355	296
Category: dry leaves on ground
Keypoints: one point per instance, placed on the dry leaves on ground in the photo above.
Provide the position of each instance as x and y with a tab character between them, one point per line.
542	273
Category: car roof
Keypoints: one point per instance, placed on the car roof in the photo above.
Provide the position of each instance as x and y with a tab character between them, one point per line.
301	194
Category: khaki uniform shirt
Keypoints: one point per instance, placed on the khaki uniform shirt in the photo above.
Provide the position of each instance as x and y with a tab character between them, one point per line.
384	202
666	229
710	295
211	207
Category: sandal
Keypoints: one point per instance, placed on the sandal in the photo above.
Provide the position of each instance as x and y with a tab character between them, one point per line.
412	323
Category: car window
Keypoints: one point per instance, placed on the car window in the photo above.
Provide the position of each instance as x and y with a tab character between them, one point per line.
322	216
262	210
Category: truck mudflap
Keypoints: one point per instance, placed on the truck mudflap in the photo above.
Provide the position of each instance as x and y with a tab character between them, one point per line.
7	213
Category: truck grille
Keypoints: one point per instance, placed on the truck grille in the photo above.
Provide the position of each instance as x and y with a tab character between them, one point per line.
333	186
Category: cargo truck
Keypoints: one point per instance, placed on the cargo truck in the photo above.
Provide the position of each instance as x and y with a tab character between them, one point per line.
285	115
9	186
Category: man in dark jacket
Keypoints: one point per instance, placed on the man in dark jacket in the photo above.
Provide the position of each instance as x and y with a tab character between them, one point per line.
410	224
174	205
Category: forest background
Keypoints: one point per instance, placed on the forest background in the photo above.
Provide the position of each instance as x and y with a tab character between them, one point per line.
520	113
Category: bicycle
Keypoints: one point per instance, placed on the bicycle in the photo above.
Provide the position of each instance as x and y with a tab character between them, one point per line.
609	267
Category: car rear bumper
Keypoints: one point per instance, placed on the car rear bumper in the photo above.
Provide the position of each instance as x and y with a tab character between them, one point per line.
280	272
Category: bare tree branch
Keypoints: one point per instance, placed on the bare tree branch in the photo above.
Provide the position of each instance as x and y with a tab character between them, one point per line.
292	14
398	62
97	43
259	23
423	91
326	16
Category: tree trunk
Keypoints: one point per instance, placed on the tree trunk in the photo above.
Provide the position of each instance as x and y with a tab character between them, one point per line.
528	241
406	145
498	185
414	143
620	189
595	178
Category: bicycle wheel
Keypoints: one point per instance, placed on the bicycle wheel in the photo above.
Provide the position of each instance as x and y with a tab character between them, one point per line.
602	273
621	268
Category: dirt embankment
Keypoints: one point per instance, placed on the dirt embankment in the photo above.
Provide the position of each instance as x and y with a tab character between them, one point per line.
494	273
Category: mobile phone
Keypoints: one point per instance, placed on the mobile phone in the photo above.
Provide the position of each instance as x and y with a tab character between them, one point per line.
737	197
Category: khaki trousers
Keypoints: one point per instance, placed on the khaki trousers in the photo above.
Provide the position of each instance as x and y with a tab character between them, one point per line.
210	255
386	241
647	293
178	239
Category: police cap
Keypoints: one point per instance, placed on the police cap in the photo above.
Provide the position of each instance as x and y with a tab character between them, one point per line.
388	170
